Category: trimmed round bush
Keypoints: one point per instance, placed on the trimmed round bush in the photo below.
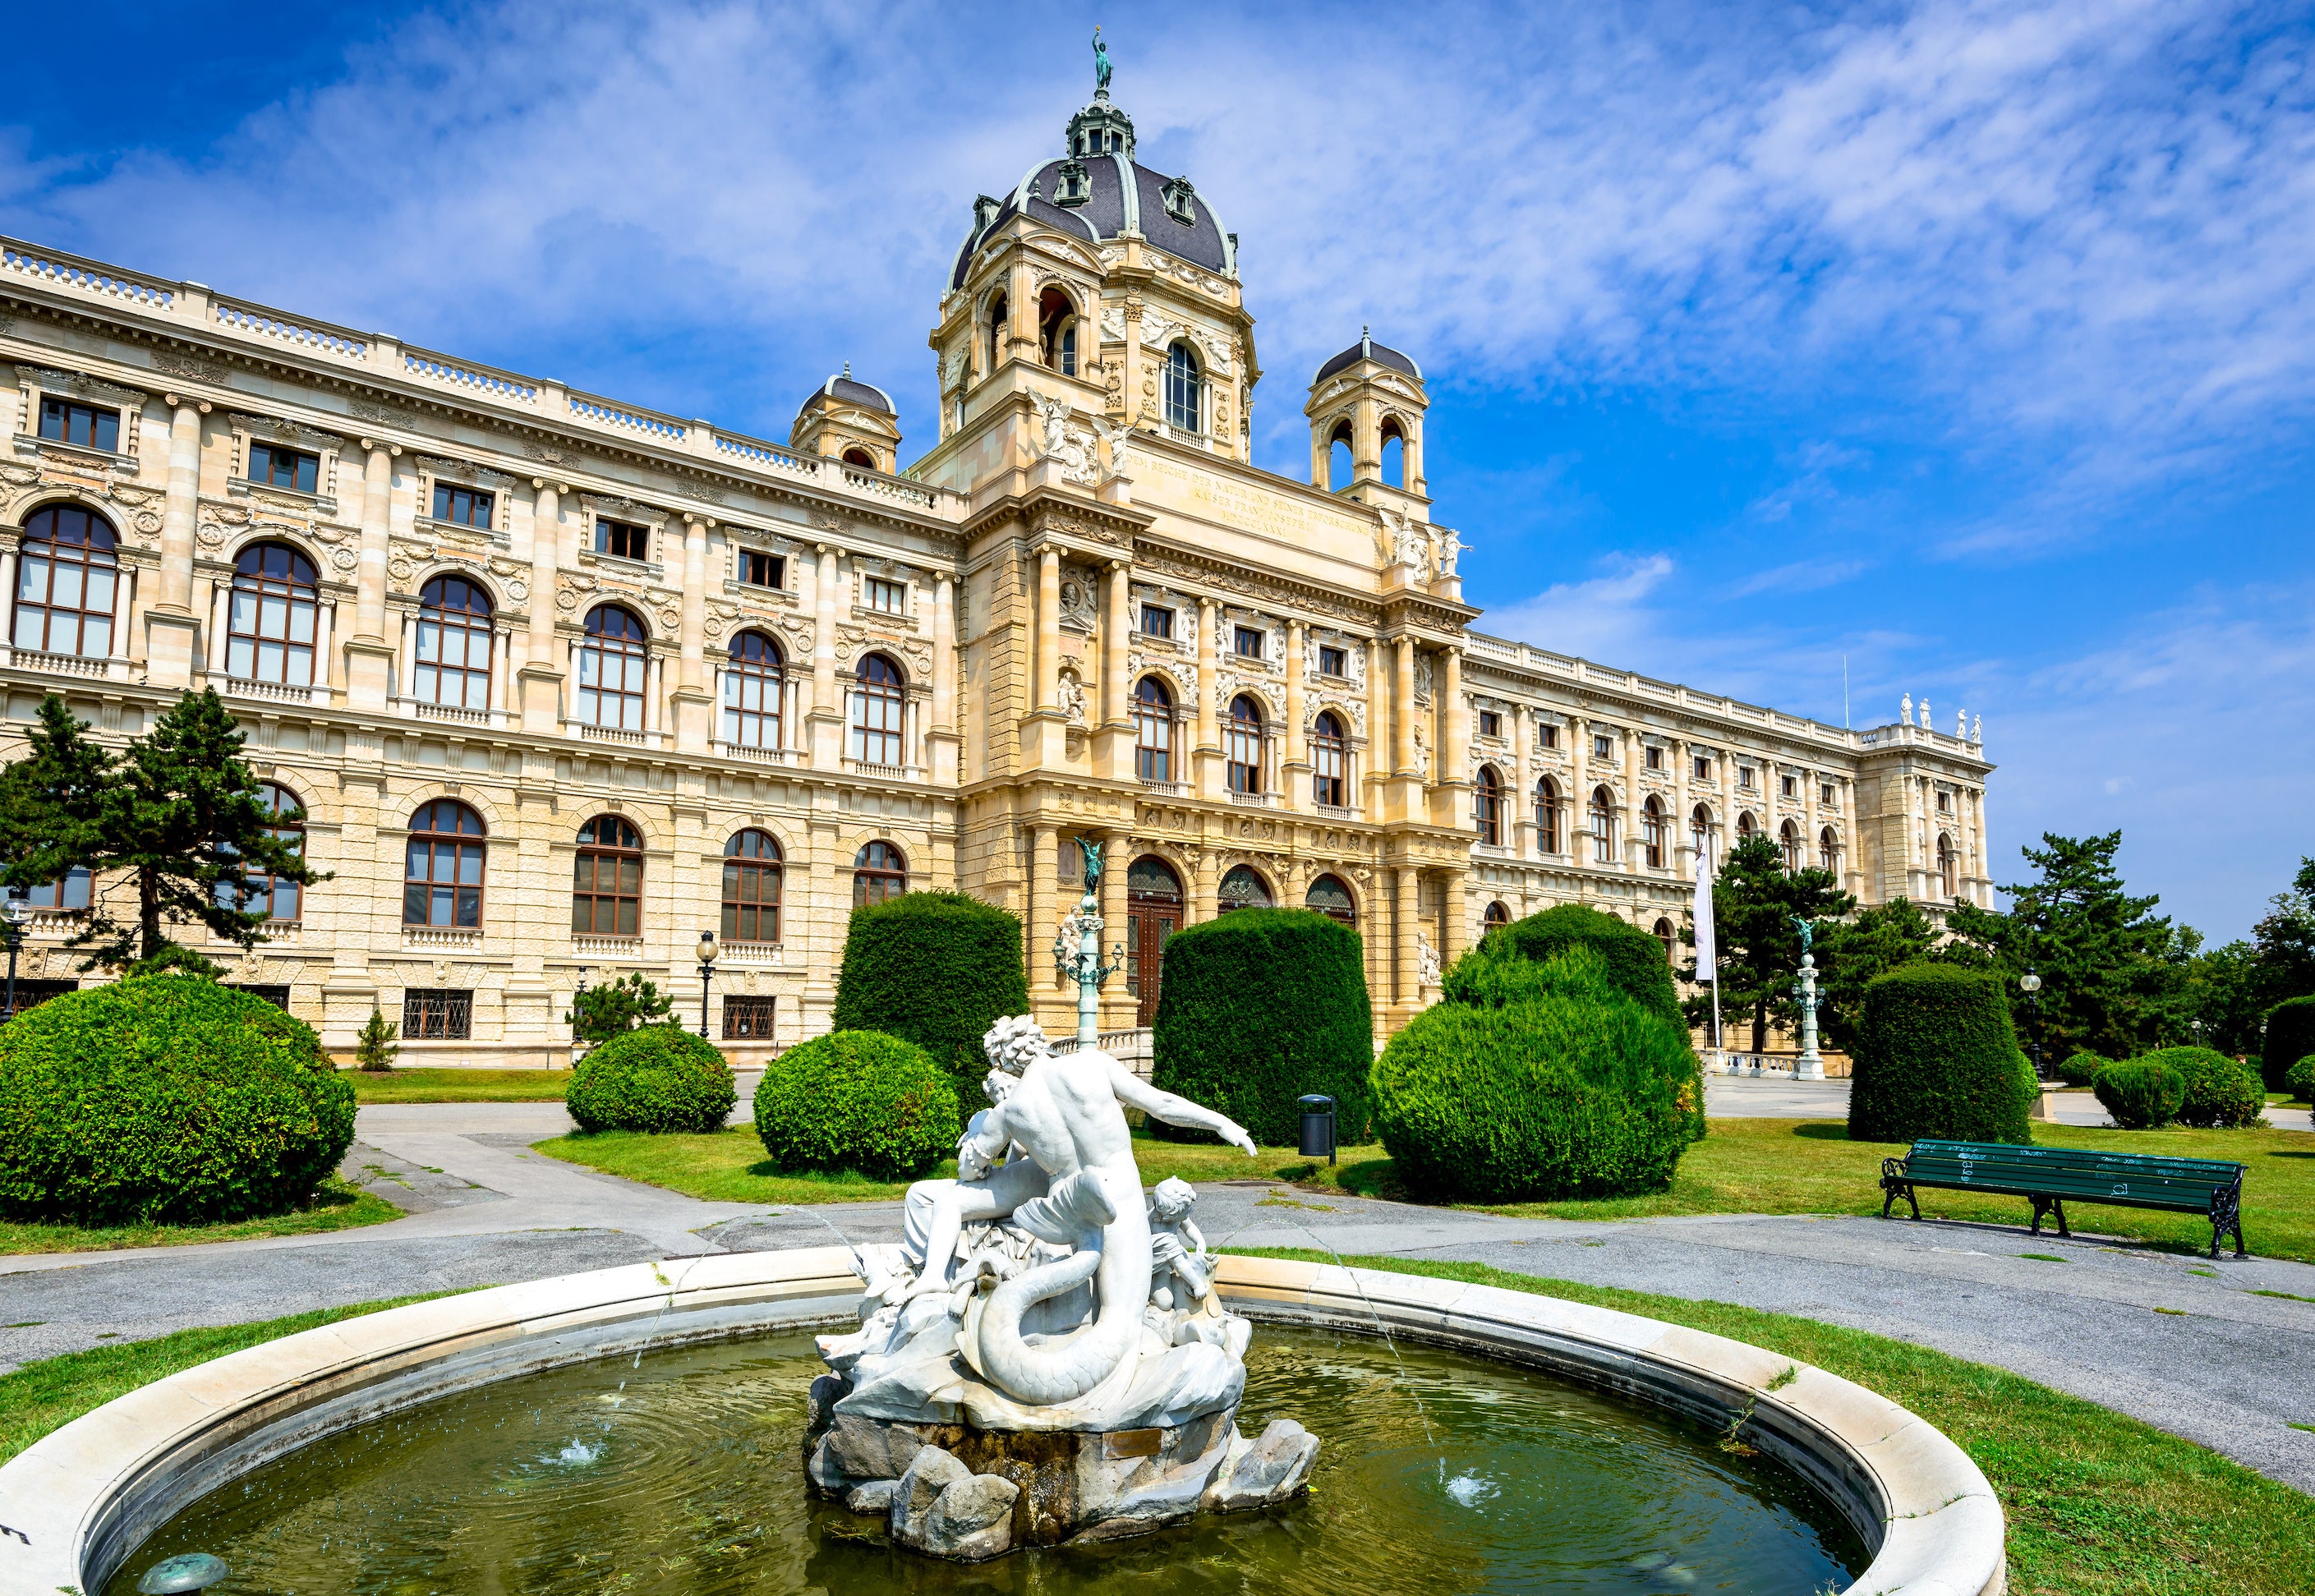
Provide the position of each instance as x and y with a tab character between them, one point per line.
1258	1008
2141	1094
937	969
1937	1057
1559	1094
857	1100
654	1078
2220	1092
2290	1037
2298	1080
164	1099
1634	961
2081	1068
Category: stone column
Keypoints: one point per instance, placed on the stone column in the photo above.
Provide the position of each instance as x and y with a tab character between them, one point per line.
948	721
827	714
542	670
1117	626
1627	804
1453	776
1294	748
1049	627
1207	755
1812	820
691	701
1378	750
169	623
1522	795
1119	1008
1403	718
1044	912
1683	852
1406	986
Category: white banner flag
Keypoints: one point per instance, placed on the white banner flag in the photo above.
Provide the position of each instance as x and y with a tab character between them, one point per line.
1706	953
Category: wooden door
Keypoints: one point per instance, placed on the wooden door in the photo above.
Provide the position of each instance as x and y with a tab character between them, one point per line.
1148	923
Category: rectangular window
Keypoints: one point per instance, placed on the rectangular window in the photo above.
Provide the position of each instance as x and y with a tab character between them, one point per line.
1333	661
1703	769
1824	793
1945	803
749	1019
1789	786
1744	778
1602	748
87	425
279	997
1156	621
887	595
1491	723
278	467
1547	736
1656	758
437	1013
763	571
1248	644
468	507
621	541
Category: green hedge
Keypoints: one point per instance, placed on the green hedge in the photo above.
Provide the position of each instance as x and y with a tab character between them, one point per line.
2081	1069
2290	1037
2141	1094
935	968
164	1099
1937	1057
654	1078
1259	1007
857	1100
2221	1093
1566	1093
1634	961
2298	1080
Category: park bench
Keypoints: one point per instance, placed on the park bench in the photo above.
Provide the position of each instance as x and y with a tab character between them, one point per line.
2047	1176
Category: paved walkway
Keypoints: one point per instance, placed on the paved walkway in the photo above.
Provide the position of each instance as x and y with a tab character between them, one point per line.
2222	1366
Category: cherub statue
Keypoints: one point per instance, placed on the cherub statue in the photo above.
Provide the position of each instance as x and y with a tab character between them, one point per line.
1177	1248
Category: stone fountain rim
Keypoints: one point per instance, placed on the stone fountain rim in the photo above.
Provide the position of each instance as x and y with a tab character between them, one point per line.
78	1503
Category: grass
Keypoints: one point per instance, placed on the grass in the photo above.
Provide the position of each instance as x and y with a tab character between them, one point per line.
457	1086
48	1395
337	1206
2098	1504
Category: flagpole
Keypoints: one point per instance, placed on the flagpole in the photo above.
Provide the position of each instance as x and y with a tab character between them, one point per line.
1707	946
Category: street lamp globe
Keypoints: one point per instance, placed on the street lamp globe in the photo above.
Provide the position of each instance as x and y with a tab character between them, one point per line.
707	947
2029	982
18	909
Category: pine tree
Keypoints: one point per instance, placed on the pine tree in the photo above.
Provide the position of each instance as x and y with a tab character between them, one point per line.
375	1048
1755	901
616	1008
2284	938
1877	941
49	799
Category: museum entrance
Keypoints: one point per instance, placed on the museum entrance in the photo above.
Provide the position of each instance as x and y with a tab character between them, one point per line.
1153	913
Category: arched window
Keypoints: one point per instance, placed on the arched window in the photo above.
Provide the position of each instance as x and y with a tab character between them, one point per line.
1153	730
1651	831
1153	913
442	874
613	657
1186	390
1000	313
269	632
1665	935
1330	760
1487	806
280	900
860	458
1948	866
1496	915
751	888
879	872
753	681
1394	453
1244	748
1700	832
1789	839
879	703
1242	888
65	578
1547	816
1057	331
1331	898
1746	826
1603	826
606	880
1341	464
453	644
1828	851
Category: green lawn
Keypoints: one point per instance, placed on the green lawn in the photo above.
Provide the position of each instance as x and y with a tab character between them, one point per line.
1772	1166
42	1396
458	1085
336	1207
2098	1504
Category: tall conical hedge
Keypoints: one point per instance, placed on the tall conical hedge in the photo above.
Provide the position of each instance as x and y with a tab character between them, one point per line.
1260	1007
937	969
1936	1056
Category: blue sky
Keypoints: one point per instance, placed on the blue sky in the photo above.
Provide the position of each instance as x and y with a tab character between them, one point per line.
1974	343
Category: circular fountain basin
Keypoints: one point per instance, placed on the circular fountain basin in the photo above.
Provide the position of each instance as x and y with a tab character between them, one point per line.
1495	1439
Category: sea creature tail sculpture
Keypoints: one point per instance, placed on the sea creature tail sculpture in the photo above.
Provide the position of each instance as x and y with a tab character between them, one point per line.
1062	1371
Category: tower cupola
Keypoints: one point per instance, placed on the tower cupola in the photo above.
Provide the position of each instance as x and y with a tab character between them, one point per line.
1369	399
1101	129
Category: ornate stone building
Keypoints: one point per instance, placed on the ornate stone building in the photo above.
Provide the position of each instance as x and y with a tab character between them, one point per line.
560	682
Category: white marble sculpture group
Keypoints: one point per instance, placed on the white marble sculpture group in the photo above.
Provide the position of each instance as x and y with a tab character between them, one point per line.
1043	1358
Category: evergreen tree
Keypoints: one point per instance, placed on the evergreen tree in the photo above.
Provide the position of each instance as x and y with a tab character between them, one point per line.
1877	941
2284	942
2222	998
2113	972
616	1008
1755	900
174	822
375	1048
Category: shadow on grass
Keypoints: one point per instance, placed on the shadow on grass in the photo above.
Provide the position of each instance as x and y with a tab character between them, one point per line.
1818	1131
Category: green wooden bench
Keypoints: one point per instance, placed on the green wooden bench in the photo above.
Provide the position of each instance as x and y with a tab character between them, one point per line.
2047	1176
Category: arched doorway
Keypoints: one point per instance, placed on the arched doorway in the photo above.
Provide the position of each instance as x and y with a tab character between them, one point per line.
1331	898
1153	913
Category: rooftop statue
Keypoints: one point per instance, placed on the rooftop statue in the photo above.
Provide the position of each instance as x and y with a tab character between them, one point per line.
1100	64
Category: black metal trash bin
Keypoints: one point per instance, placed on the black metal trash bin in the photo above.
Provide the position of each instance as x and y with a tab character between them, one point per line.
1318	1126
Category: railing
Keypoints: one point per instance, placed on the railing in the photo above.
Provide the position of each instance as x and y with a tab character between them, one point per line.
88	276
606	947
611	734
54	922
101	670
1135	1048
1166	789
761	756
266	326
899	489
1255	799
442	936
770	954
757	453
242	687
447	712
609	412
496	384
282	934
882	772
1338	812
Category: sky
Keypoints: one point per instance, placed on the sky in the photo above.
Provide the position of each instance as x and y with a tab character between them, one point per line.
1817	354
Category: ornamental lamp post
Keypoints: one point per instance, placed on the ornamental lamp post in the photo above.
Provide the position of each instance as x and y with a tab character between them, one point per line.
16	913
706	975
2031	984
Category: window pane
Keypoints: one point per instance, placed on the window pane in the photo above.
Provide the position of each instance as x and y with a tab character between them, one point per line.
439	910
241	658
65	594
96	638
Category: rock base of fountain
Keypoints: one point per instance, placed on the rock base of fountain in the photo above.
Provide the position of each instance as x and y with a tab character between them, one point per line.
960	1492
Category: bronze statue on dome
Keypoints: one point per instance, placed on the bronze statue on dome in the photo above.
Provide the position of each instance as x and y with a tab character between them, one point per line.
1100	64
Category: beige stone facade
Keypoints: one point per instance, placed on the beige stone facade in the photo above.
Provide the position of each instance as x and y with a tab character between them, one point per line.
948	661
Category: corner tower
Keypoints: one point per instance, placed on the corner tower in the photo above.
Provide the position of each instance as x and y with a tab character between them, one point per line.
852	420
1371	398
